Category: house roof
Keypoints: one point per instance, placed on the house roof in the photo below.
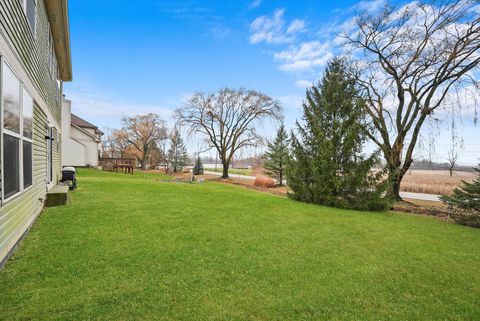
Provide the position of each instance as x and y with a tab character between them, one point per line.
57	12
80	122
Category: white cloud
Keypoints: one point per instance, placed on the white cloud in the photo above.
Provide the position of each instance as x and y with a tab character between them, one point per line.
103	111
255	4
476	9
304	57
273	30
370	5
220	31
296	26
291	101
303	84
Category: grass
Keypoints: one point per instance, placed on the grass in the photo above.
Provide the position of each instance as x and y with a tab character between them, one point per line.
131	248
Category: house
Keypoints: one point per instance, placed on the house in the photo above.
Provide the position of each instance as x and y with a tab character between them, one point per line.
81	141
34	63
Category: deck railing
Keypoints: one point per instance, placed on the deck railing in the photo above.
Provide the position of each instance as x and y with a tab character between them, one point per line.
125	165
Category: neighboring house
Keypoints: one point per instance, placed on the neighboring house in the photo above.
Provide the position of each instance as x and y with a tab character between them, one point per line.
81	141
34	63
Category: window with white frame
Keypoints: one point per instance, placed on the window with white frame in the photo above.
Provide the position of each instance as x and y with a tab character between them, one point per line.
17	134
27	139
30	8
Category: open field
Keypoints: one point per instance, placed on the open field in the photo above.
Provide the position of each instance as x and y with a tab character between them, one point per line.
128	247
433	181
422	181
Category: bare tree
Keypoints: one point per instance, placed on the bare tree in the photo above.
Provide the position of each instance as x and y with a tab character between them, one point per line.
142	131
452	160
228	120
162	144
108	145
456	143
120	142
409	60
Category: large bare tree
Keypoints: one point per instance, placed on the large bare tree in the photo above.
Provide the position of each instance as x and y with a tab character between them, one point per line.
142	131
228	120
409	62
120	142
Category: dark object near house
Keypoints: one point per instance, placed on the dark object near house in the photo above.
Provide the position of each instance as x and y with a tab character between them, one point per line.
69	175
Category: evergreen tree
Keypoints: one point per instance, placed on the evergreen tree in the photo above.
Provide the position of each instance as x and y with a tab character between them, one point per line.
177	153
466	196
326	164
276	156
198	168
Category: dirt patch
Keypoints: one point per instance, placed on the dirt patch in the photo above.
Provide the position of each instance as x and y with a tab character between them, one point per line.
430	208
247	183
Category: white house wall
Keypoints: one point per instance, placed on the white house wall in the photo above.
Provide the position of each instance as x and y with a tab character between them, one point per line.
79	148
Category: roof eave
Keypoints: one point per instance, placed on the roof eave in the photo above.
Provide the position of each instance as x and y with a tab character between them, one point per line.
57	11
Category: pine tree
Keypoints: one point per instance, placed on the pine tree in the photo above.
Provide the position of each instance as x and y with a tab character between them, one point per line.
276	156
466	196
198	168
177	153
326	164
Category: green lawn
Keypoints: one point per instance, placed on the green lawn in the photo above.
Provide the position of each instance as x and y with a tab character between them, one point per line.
131	248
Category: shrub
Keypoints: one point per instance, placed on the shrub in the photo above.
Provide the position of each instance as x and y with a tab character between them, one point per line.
464	217
264	182
198	168
276	156
464	204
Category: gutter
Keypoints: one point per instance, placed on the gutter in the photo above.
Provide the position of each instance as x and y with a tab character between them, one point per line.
57	12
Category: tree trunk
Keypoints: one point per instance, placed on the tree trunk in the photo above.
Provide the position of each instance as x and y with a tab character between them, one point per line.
393	190
395	175
225	170
451	171
144	159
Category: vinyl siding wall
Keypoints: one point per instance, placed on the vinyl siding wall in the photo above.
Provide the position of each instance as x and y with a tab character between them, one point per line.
33	52
18	213
30	58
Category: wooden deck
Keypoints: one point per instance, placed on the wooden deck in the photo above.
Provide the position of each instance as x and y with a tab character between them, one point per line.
124	165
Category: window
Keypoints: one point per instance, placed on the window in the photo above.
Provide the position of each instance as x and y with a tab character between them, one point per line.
11	165
11	101
30	11
27	164
52	60
27	113
17	134
50	154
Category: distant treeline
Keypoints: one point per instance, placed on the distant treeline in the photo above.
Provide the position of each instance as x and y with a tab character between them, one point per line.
426	164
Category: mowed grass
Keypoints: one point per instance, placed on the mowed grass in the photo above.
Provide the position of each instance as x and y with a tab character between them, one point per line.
132	248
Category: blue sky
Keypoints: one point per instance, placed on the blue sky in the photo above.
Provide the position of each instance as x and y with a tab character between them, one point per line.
132	57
